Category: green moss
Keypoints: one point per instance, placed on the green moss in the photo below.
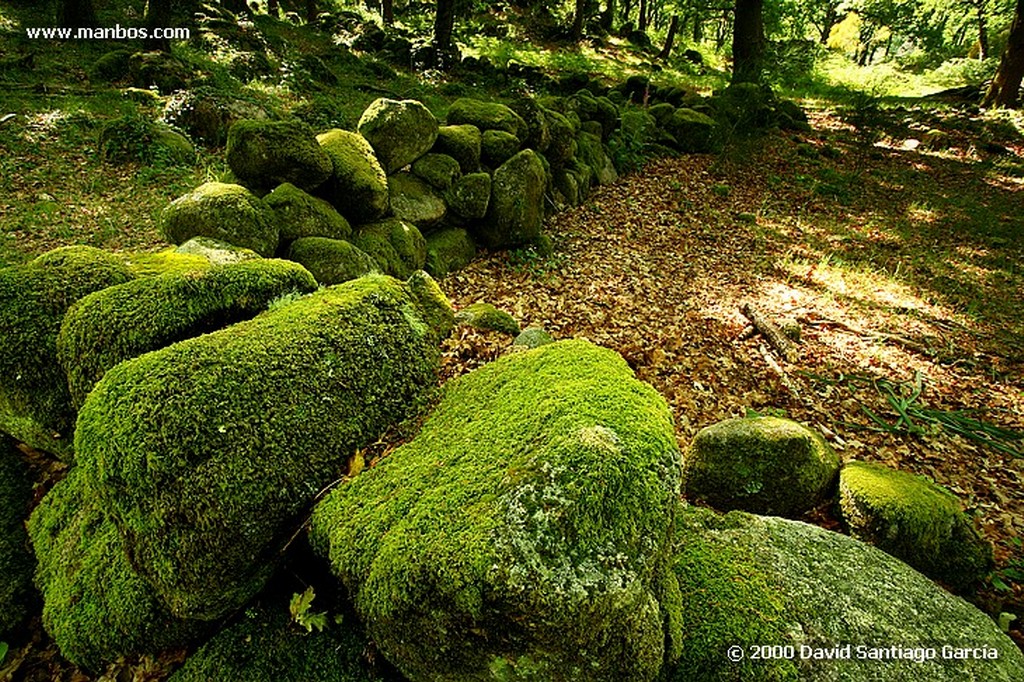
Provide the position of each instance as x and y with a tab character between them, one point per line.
166	261
487	116
16	561
515	215
462	143
522	531
96	607
470	196
112	66
915	520
693	131
216	252
440	170
302	215
449	250
415	201
533	337
563	139
497	147
332	261
398	247
230	213
268	153
35	406
121	322
358	187
400	131
230	436
486	316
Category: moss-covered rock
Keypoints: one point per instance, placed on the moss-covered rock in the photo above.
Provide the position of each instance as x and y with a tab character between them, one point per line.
222	211
231	435
661	112
302	215
160	69
135	139
563	139
358	187
268	153
915	520
765	465
521	534
530	110
95	606
591	152
400	131
35	406
487	116
516	212
497	147
332	261
16	560
153	263
415	201
462	143
747	106
692	131
470	196
121	322
398	247
439	170
216	252
533	337
110	67
449	250
486	316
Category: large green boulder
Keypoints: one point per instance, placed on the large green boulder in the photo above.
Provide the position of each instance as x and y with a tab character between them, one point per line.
693	131
470	196
591	152
485	316
35	405
265	154
121	322
332	261
225	212
302	215
915	520
207	453
745	106
562	148
522	534
487	116
400	131
214	251
398	247
16	560
497	147
415	201
764	465
462	143
440	171
539	137
96	607
516	212
449	250
358	187
845	610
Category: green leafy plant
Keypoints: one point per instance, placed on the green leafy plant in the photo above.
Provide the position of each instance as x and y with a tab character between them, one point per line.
3	652
302	614
1013	572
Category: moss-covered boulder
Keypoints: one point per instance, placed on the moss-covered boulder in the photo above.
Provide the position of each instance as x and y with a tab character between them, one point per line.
533	337
522	533
400	131
231	435
302	215
267	153
470	196
487	116
530	110
662	112
591	152
462	143
440	171
35	406
135	139
693	131
16	560
358	187
95	606
110	67
153	263
764	465
222	211
486	316
515	215
158	69
398	247
121	322
915	520
747	106
215	251
415	201
449	250
563	139
497	147
332	261
848	610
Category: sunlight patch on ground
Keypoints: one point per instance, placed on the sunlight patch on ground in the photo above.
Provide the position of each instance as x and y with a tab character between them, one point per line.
42	125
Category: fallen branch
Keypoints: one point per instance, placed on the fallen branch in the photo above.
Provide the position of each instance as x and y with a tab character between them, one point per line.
910	344
777	368
770	331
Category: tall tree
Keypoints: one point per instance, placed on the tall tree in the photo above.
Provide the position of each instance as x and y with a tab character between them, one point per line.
444	23
666	51
158	15
748	41
387	8
608	16
577	20
1005	88
76	14
641	22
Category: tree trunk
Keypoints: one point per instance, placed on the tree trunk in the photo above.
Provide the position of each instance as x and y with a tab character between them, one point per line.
311	11
748	41
76	14
577	20
670	38
235	6
641	22
982	31
608	16
387	8
1005	88
698	28
272	7
158	15
444	23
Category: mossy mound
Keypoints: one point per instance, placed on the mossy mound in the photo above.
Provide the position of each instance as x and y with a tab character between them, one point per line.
358	187
35	406
215	251
222	211
693	131
16	560
135	139
332	261
486	316
415	201
400	131
439	170
95	606
470	196
516	212
521	534
487	116
168	260
462	143
764	465
914	520
265	154
449	250
302	215
533	337
398	247
121	322
231	435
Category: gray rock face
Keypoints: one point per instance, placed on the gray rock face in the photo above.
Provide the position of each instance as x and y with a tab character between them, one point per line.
229	213
516	213
400	131
415	201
